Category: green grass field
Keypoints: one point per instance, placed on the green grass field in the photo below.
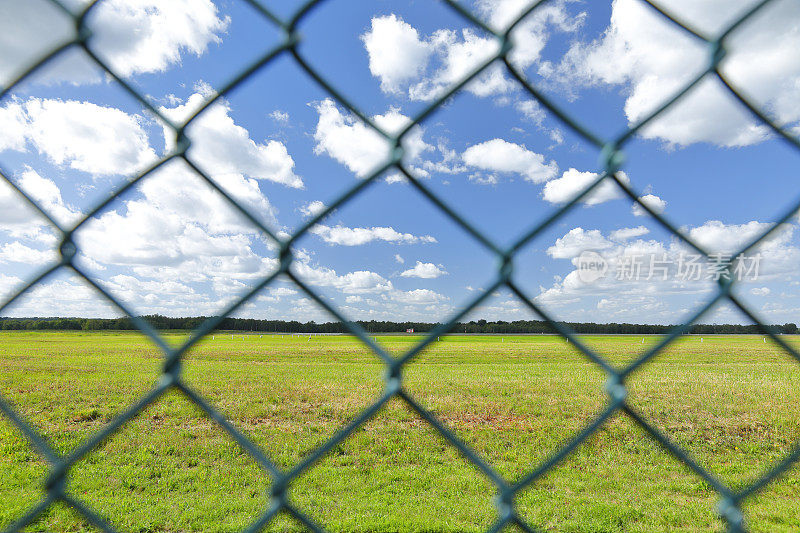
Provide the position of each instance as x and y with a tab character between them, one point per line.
733	402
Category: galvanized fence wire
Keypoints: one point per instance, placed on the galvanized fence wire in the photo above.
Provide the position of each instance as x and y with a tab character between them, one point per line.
610	162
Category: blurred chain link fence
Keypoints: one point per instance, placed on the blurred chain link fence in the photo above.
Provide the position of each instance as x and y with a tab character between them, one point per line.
611	160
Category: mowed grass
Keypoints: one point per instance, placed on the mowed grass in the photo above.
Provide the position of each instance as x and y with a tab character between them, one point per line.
732	401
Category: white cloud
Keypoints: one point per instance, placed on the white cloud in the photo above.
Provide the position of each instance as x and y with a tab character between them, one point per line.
16	252
576	241
625	234
179	229
653	59
277	294
62	296
500	156
282	291
19	219
418	297
719	237
220	146
556	136
27	31
451	162
425	67
280	116
531	34
396	53
396	177
652	201
531	110
149	36
398	57
345	236
424	271
356	145
649	296
8	284
359	282
312	208
573	182
82	135
458	56
133	36
399	258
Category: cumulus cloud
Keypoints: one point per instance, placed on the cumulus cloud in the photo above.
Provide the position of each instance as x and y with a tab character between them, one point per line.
498	156
29	30
398	57
459	53
177	228
656	279
652	201
62	296
277	294
399	258
16	252
576	241
149	36
717	236
133	37
645	53
84	136
572	182
423	67
312	208
359	282
356	145
345	236
531	35
17	218
220	146
418	296
176	220
625	234
424	271
396	52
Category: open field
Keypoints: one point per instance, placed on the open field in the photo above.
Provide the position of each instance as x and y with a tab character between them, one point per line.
733	402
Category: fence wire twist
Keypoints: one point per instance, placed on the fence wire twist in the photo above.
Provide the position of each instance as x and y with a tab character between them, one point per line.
610	162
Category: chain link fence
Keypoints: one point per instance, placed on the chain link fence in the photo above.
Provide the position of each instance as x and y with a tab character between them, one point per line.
611	161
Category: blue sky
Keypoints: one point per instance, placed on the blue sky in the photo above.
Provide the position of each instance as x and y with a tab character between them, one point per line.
283	147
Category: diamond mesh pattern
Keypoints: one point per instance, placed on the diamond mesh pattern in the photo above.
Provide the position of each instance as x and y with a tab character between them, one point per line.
611	160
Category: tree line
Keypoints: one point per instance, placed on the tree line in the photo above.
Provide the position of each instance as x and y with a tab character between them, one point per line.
373	326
